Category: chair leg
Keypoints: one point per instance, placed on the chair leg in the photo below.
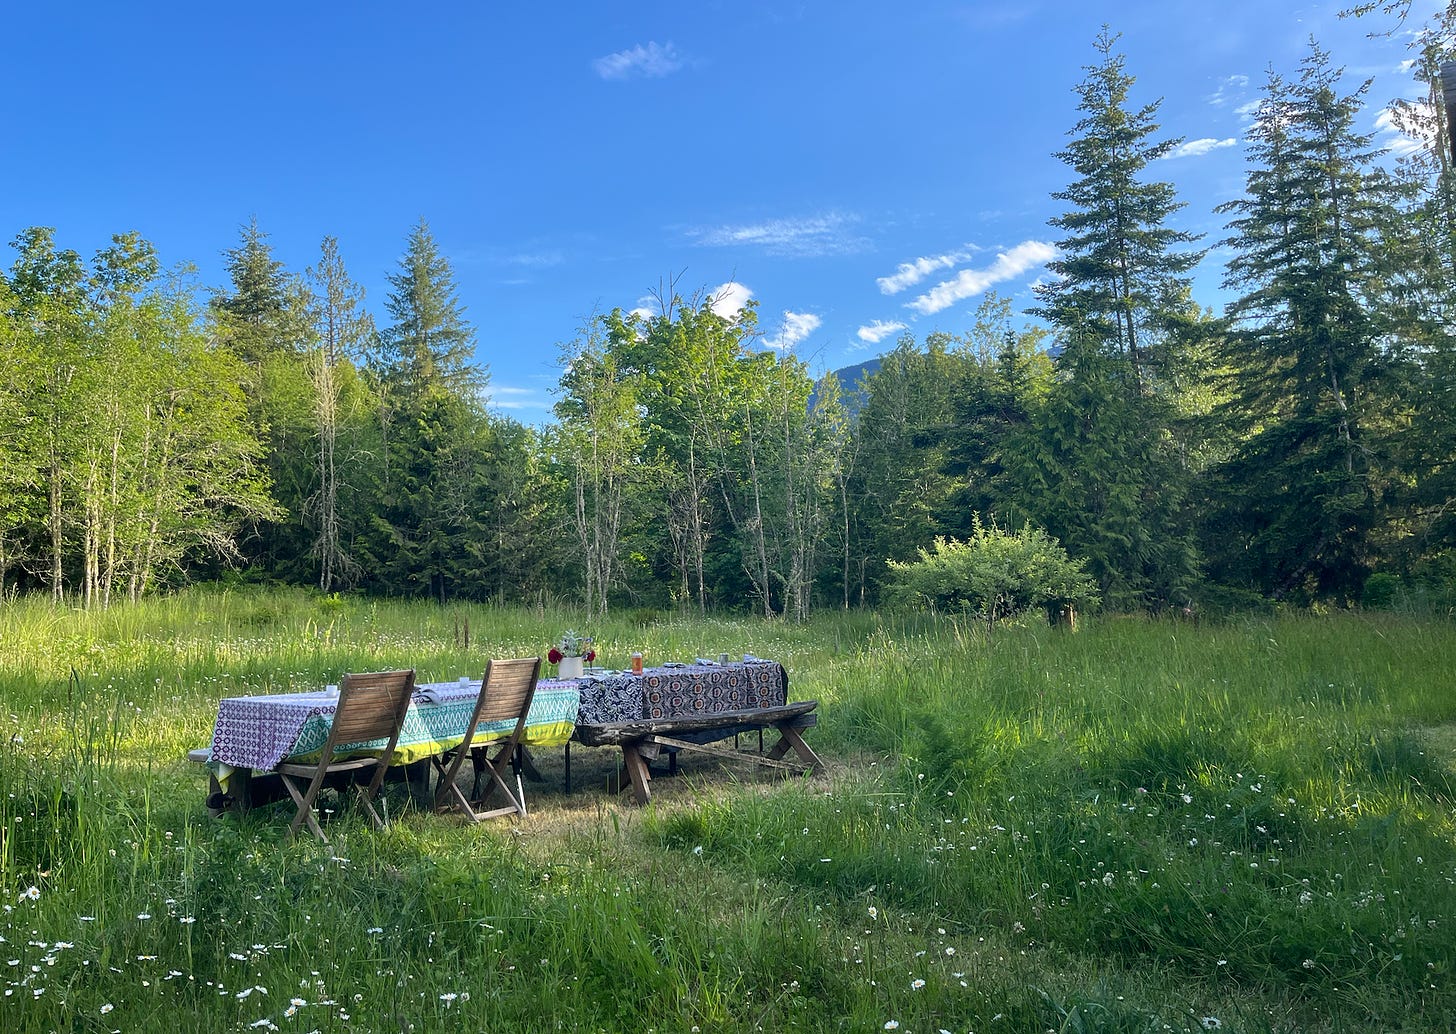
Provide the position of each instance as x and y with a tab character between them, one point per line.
498	767
366	797
305	802
447	790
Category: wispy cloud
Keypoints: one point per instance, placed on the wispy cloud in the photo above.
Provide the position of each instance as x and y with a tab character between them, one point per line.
1229	89
536	259
810	236
503	397
649	61
796	327
727	300
1249	109
970	282
874	333
908	274
1400	132
1198	148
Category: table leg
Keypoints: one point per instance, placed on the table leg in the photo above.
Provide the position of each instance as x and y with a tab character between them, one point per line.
790	738
417	778
528	766
637	772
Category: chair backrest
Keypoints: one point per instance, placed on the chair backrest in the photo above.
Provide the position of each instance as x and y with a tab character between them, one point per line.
371	706
506	693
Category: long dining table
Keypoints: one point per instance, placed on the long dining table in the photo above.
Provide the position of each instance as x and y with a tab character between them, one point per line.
253	734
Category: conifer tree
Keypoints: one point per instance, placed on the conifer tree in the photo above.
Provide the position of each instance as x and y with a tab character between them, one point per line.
1313	342
1123	272
1122	309
261	317
436	430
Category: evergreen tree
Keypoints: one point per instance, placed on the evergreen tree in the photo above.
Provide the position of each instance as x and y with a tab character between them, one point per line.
1424	283
436	432
901	492
263	314
262	319
1122	309
1123	272
429	345
1312	341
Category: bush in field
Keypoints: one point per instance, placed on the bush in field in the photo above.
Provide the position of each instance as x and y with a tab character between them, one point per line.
994	575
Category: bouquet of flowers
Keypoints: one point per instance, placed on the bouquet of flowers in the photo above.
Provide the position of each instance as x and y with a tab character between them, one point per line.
572	645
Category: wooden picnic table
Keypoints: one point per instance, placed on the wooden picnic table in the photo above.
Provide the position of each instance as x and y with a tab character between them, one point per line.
644	739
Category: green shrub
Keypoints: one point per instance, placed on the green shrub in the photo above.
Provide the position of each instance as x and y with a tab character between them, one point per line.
1380	592
994	575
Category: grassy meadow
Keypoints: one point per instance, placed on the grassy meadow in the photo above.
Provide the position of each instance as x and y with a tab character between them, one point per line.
1143	826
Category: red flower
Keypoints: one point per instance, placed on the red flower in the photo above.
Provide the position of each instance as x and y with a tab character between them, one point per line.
591	655
554	656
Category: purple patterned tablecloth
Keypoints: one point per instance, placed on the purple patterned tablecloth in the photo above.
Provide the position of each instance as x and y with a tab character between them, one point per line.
678	692
258	732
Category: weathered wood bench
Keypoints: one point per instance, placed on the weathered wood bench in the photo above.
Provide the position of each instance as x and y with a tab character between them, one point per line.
644	740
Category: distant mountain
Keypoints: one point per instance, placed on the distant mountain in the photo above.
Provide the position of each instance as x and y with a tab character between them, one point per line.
849	385
850	378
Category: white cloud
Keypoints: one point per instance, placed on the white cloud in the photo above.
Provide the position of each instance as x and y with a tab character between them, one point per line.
970	282
537	259
503	397
1229	87
1398	132
908	274
648	62
796	327
1198	148
727	300
815	235
1250	109
646	308
874	333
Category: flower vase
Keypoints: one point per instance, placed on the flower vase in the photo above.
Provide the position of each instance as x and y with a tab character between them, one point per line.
571	668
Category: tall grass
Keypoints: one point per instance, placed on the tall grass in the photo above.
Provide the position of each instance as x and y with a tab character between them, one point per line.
1139	827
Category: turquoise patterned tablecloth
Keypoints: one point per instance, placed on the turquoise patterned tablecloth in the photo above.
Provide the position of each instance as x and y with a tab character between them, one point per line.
258	732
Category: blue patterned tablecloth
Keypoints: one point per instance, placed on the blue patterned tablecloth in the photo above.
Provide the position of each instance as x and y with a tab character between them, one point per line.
680	692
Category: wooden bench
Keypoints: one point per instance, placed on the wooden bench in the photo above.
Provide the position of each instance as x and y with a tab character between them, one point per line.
644	740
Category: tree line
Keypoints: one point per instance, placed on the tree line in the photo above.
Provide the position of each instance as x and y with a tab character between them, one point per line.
1300	445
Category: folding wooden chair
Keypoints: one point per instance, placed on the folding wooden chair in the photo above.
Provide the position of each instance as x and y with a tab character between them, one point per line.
505	695
371	707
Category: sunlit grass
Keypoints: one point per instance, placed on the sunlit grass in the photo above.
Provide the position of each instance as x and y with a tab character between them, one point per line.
1142	826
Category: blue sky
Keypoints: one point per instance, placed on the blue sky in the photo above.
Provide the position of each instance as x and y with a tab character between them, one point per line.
856	167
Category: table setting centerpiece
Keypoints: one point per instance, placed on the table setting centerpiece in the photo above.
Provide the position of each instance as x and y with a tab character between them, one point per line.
572	655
